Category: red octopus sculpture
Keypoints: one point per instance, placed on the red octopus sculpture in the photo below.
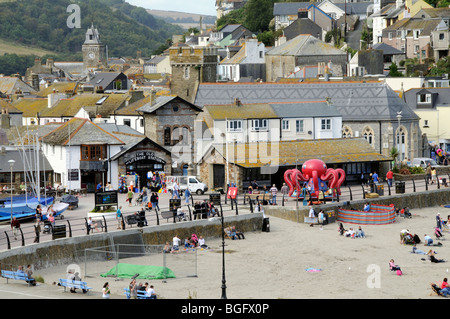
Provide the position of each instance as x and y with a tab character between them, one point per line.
314	171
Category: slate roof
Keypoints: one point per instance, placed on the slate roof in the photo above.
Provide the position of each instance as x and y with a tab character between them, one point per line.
161	101
61	87
17	156
287	153
356	101
305	45
30	106
79	131
410	24
441	96
69	107
10	84
289	8
387	49
302	26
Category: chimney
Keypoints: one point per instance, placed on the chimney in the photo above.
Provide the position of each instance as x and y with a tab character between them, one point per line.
35	81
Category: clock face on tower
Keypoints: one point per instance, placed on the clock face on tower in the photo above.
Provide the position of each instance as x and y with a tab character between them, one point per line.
91	55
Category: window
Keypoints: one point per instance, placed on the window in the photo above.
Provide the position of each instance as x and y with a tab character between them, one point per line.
186	73
167	136
127	122
261	54
425	123
93	152
141	122
416	49
424	53
390	35
299	127
441	36
424	98
259	125
285	125
326	124
368	135
234	126
416	34
346	132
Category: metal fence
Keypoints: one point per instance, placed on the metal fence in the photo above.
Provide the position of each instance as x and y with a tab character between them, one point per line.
193	210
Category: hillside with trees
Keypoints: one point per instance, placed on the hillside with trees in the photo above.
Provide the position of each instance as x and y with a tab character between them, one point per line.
42	24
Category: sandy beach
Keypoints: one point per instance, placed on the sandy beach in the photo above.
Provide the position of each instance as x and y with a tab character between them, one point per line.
273	265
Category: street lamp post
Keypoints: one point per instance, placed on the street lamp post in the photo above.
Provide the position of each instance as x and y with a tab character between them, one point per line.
224	286
11	164
399	118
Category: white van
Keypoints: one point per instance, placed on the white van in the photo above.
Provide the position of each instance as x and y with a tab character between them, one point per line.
194	184
423	162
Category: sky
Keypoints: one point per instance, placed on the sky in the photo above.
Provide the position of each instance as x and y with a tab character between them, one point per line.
206	7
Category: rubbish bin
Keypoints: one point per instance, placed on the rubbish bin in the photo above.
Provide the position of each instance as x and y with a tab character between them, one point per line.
399	187
380	190
266	225
59	231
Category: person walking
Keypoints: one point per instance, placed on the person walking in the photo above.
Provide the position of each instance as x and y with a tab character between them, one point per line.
389	177
274	191
119	217
187	195
428	172
154	199
15	227
106	291
130	196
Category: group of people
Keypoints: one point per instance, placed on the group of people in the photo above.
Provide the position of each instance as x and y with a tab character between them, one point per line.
351	233
272	192
205	209
189	242
149	290
233	233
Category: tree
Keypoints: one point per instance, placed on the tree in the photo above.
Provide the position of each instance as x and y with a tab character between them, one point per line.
393	71
258	14
394	153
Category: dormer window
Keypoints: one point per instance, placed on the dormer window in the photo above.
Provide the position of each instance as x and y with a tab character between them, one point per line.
416	34
424	98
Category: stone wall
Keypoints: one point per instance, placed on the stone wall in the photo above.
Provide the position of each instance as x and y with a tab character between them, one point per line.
65	251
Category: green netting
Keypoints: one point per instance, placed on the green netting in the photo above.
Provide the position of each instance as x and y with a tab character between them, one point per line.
123	270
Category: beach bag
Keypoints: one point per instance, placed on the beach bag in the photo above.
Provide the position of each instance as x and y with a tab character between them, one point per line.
399	272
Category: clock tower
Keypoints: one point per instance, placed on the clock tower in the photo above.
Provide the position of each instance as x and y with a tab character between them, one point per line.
93	50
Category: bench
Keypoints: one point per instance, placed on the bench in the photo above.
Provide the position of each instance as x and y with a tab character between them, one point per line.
8	274
141	294
167	215
69	283
131	220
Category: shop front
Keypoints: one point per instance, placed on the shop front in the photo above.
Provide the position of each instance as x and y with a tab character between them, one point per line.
140	163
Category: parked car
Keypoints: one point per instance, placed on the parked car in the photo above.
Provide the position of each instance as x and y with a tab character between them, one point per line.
423	162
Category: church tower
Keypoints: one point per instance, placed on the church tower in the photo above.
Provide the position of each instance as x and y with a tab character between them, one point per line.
93	50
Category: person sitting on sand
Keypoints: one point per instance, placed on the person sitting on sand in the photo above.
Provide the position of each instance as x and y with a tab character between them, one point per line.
393	266
360	233
341	229
350	233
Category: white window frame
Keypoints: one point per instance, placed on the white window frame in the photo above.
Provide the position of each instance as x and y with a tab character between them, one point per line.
285	125
325	124
234	125
299	126
260	125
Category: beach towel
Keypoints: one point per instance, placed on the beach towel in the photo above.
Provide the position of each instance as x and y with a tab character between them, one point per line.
313	270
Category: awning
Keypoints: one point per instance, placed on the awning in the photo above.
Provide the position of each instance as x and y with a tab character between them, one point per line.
288	153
